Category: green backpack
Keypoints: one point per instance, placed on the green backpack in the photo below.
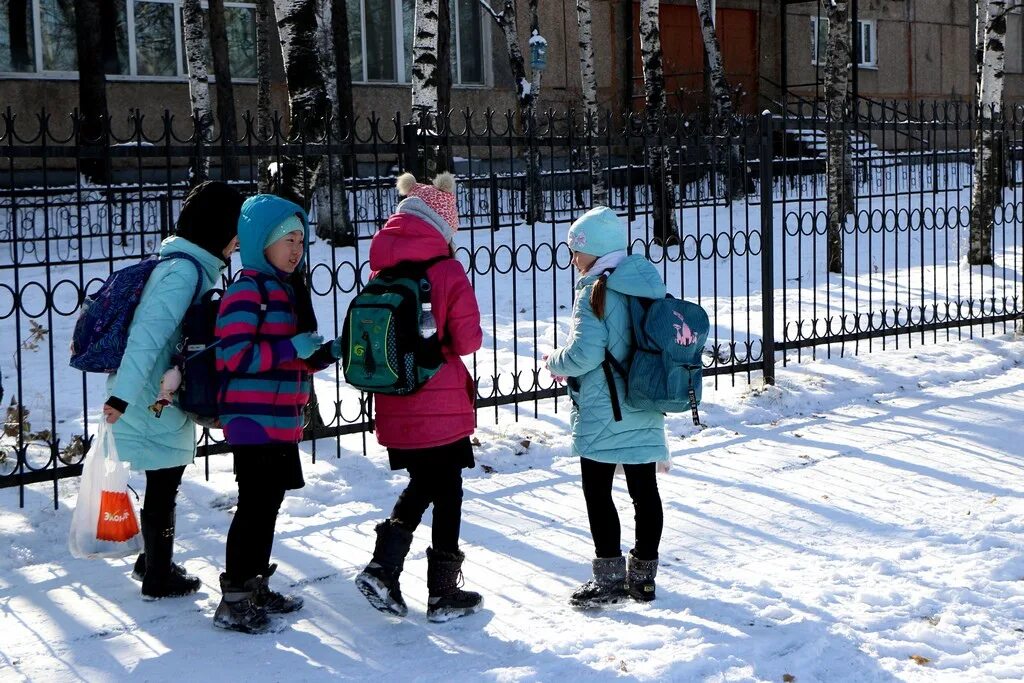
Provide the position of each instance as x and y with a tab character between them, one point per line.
390	342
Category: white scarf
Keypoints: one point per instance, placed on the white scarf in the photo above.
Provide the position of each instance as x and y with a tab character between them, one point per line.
607	262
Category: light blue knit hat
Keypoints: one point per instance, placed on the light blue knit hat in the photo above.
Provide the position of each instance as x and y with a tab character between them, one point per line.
289	225
598	232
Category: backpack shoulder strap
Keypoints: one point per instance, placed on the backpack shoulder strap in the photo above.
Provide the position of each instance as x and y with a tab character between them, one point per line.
199	269
613	391
264	299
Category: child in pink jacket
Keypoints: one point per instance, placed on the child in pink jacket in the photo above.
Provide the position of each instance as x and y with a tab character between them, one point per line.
427	432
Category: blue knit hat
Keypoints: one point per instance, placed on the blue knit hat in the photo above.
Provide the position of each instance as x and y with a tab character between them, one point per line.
598	232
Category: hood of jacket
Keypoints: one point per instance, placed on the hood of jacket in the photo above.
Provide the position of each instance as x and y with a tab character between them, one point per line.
212	265
260	215
405	237
634	276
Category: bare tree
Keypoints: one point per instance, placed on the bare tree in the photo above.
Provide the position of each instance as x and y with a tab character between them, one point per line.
527	92
426	76
308	104
92	86
198	85
264	19
987	178
225	90
590	158
721	102
659	157
838	168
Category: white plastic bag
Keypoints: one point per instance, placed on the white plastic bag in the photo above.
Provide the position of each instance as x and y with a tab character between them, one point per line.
105	522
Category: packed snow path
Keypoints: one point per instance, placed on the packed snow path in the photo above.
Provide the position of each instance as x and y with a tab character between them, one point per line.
862	520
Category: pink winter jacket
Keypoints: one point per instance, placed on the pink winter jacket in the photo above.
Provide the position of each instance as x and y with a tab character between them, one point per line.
442	411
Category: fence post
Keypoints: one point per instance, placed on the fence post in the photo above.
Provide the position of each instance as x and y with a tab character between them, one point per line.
411	159
765	155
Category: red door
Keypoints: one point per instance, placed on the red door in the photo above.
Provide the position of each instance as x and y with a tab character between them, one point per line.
683	54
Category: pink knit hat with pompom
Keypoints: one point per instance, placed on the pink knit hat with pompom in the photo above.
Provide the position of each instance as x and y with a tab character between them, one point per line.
439	196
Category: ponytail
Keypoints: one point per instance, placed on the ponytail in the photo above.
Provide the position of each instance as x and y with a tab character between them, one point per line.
598	294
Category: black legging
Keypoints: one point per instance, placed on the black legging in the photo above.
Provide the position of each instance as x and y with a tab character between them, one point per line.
161	490
251	536
442	486
642	482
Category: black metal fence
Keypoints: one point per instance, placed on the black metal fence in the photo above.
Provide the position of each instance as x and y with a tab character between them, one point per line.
747	200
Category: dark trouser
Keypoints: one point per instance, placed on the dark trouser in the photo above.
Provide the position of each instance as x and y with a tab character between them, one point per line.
642	482
161	490
440	485
260	494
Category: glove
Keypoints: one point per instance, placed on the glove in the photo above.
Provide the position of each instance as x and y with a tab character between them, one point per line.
306	344
336	348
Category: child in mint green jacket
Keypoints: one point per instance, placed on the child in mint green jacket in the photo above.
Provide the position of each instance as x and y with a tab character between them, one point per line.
600	325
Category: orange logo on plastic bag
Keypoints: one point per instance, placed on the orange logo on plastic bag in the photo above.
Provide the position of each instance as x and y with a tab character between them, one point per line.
117	520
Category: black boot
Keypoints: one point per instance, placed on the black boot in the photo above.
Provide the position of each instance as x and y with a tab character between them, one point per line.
272	601
379	581
640	577
444	578
238	610
606	588
139	570
160	581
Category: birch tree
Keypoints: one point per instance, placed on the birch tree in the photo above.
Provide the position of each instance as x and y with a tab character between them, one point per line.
721	99
225	89
264	17
308	104
987	180
425	80
838	168
588	77
527	92
662	190
198	85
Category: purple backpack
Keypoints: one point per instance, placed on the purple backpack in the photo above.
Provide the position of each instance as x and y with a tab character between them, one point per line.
101	331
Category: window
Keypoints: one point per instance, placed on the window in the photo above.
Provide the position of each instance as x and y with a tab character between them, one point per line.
142	38
382	52
867	49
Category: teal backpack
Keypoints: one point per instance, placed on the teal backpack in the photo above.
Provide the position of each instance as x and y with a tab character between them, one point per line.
390	341
665	369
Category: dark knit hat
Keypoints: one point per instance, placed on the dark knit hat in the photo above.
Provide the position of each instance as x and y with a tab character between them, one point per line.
209	216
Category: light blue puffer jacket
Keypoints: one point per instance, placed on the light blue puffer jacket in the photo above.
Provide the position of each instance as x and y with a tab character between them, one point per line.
640	436
143	440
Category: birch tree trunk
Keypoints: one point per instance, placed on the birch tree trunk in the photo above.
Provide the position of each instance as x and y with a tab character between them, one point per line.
309	107
424	80
838	169
92	87
198	86
527	91
444	86
662	191
332	223
264	17
534	190
721	102
987	177
225	90
590	159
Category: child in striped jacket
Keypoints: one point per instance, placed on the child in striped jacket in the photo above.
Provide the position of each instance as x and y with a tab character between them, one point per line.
267	349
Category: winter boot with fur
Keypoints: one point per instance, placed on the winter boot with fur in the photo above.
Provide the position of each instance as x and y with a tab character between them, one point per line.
160	579
606	588
238	610
444	580
379	581
640	577
272	601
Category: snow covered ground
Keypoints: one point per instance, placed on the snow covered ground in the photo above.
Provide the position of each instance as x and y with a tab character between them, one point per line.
862	520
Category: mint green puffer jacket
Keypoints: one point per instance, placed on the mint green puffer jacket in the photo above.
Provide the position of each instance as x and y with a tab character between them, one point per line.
640	436
143	440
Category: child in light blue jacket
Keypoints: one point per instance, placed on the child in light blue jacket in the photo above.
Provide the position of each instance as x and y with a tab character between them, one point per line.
600	326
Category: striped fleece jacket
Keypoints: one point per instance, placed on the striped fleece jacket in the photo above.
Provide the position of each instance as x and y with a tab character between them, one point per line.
267	384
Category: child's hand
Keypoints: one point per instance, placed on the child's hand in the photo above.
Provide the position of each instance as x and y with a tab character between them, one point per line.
306	344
